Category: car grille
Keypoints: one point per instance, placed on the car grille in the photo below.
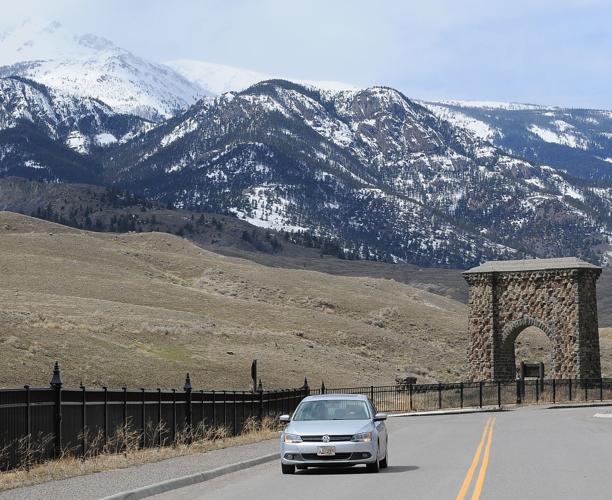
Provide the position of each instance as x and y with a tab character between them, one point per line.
337	456
332	438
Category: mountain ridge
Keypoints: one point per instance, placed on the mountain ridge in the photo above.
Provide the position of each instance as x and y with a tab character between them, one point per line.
388	177
373	148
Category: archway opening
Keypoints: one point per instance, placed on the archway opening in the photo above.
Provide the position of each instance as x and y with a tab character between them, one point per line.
532	345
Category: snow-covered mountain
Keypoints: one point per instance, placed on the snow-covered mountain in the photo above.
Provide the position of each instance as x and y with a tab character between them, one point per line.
46	134
576	140
90	66
385	176
217	79
371	168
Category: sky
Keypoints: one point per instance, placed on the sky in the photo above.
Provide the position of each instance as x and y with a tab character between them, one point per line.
553	52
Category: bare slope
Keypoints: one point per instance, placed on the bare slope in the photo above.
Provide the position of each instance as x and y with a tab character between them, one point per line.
143	309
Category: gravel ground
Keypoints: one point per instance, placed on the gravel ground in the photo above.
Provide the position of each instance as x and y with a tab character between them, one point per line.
103	484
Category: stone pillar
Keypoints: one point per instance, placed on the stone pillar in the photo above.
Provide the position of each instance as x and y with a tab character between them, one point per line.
481	325
589	363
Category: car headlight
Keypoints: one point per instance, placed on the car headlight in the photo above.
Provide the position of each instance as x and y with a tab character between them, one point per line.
292	438
363	437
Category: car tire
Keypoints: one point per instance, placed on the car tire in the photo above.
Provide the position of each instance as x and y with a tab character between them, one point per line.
287	469
384	463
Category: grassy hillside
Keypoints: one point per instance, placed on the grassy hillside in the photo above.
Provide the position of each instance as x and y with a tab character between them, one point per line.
143	309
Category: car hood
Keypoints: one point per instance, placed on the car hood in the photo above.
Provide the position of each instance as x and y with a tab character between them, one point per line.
318	427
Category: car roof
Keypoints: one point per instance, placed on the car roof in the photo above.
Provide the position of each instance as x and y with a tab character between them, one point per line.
323	397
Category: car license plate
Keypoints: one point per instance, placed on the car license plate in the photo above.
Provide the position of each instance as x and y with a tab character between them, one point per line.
326	451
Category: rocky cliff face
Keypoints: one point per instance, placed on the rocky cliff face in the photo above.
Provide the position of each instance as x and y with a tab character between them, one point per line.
371	167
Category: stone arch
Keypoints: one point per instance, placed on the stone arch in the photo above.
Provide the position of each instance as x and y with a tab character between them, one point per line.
512	330
558	296
508	336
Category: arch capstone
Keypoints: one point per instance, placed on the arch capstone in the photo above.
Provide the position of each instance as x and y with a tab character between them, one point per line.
556	295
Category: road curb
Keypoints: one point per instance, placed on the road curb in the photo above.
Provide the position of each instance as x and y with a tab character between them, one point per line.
564	406
180	482
463	411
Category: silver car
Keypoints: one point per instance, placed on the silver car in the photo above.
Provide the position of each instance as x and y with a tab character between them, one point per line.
334	430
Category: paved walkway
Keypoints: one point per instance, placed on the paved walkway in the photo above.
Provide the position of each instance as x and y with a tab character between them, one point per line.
102	484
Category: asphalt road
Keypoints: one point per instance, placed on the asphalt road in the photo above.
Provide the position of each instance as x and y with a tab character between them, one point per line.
530	453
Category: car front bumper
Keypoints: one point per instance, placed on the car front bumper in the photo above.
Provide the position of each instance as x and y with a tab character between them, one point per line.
347	453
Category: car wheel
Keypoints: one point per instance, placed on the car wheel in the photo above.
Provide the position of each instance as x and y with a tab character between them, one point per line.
375	466
384	463
288	469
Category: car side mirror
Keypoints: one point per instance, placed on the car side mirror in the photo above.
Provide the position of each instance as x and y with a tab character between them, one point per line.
380	417
284	418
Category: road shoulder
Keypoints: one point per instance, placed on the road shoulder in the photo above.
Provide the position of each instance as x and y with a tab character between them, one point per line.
133	479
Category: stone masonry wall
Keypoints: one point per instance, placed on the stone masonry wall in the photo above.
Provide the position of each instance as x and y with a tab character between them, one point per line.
562	303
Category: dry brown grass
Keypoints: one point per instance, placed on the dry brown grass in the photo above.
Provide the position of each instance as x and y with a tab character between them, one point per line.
103	304
123	450
143	309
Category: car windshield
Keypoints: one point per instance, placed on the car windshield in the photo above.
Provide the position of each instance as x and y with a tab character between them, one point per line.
332	409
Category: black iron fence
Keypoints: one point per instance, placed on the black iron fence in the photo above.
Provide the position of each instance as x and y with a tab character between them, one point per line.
429	397
37	424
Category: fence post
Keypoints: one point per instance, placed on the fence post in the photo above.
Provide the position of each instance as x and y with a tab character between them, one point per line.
499	393
372	395
480	394
322	387
143	419
125	421
518	392
235	415
554	384
173	417
159	417
410	396
28	426
306	387
105	422
586	389
439	396
188	406
537	387
461	393
261	404
56	385
202	411
570	389
243	411
84	421
225	409
286	401
214	409
601	389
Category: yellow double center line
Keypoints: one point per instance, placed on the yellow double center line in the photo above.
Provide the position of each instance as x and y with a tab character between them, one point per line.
487	435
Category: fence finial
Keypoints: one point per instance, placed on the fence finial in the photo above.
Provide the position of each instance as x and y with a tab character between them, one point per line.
56	381
322	387
305	383
187	386
260	386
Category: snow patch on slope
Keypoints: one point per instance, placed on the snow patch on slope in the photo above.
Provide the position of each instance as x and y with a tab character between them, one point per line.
561	137
479	128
